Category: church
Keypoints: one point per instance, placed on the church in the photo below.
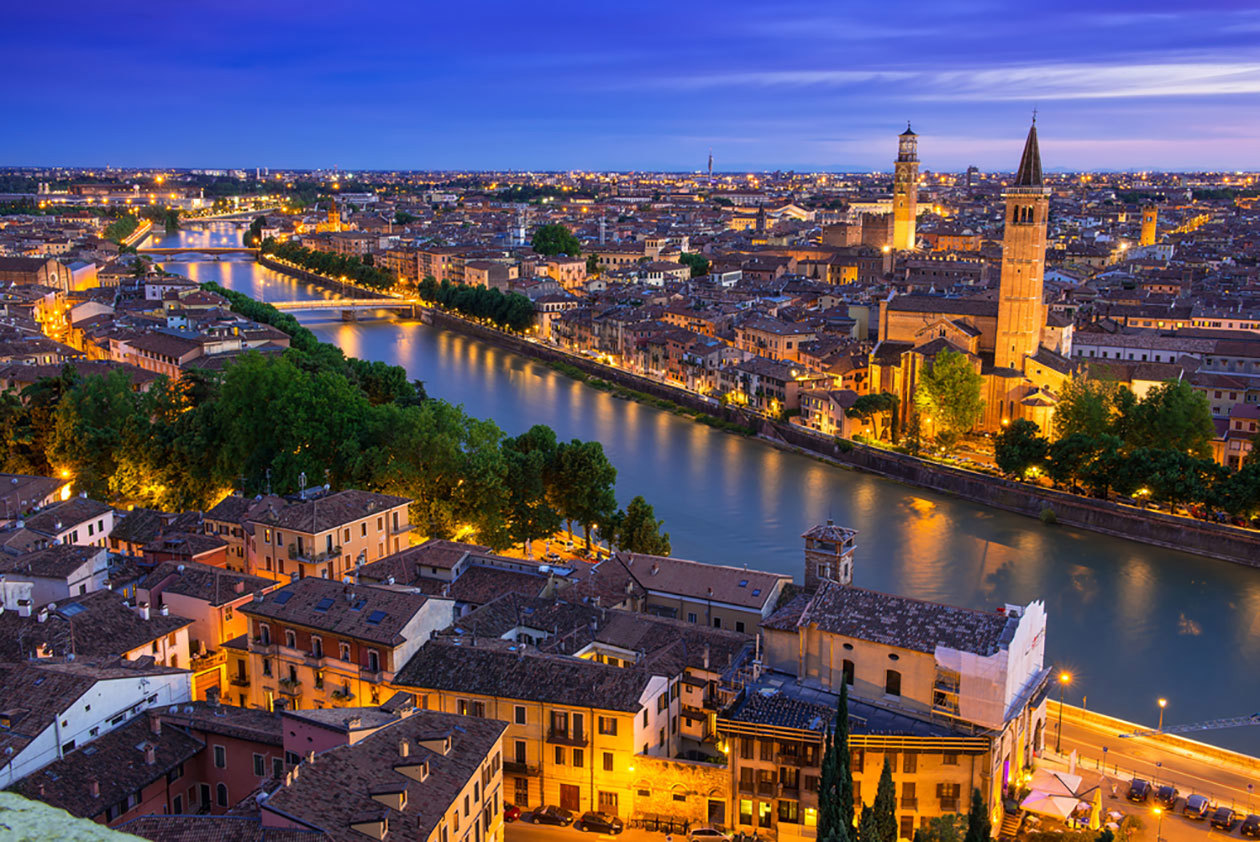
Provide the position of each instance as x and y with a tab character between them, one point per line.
1021	350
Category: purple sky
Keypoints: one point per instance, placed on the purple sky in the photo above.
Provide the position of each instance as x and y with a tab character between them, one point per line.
641	85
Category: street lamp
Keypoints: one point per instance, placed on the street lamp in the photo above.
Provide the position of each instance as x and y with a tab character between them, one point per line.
1159	828
1163	703
1065	678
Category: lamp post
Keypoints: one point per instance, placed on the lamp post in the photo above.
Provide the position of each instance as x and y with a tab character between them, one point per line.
1065	678
1163	703
1159	827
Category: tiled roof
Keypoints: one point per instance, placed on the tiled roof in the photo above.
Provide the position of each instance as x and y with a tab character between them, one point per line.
205	582
359	611
331	511
100	624
406	565
894	620
115	762
214	829
55	562
523	673
190	544
940	304
73	511
335	791
138	526
231	721
750	589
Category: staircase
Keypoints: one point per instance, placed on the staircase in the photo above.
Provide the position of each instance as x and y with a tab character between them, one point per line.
1011	823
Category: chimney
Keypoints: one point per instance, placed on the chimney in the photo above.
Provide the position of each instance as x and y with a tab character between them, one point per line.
404	748
212	695
310	757
238	586
165	610
94	787
155	723
143	610
656	568
42	616
150	755
706	656
24	608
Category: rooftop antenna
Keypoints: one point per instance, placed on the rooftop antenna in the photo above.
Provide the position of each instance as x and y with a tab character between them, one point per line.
269	482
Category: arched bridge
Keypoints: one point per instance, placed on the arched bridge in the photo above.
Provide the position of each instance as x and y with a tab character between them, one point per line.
351	307
198	250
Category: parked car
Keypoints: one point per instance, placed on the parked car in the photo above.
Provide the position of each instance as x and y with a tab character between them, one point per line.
1197	807
1224	818
1139	790
1251	826
551	814
708	834
599	823
1167	795
511	812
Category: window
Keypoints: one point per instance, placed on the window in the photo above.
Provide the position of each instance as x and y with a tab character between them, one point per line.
789	811
608	725
519	712
691	617
608	761
739	627
559	755
221	794
521	796
178	805
260	765
847	669
518	749
345	652
910	762
949	758
579	758
374	661
892	683
277	766
857	758
906	827
220	757
317	647
290	638
266	667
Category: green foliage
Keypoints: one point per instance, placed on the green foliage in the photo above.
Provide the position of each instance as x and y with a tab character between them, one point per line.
879	410
699	263
583	488
948	828
1086	406
403	218
531	471
334	266
510	311
835	783
638	530
868	827
1173	416
592	264
885	806
949	396
555	239
253	238
978	829
1019	447
121	228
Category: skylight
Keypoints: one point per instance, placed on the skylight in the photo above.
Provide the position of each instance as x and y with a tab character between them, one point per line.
375	618
283	596
324	604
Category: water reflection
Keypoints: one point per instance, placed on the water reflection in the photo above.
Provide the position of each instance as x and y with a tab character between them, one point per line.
1129	618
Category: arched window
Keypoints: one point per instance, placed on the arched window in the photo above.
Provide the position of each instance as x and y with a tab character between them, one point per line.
892	683
221	794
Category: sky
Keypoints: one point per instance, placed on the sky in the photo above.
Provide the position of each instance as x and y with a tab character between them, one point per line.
644	85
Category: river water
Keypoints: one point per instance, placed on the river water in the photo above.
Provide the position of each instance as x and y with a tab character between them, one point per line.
1132	623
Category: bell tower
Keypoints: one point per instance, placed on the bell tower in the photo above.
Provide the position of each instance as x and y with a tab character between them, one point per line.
828	555
905	190
1021	306
334	215
1150	224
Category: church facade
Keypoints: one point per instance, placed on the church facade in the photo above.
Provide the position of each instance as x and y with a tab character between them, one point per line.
1021	351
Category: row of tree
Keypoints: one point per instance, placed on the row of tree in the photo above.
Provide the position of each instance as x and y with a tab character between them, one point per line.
509	311
837	818
265	421
329	264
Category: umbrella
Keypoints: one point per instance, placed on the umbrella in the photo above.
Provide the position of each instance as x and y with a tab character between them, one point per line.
1055	806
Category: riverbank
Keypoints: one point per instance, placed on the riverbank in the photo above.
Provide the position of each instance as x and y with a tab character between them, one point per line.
1218	541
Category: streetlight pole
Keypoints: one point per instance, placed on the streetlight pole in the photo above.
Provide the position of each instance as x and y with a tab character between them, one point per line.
1159	827
1163	703
1064	679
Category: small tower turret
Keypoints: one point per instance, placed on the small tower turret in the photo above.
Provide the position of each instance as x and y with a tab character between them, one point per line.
828	555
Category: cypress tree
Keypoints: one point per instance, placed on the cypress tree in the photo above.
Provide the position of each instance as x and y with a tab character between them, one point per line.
843	759
868	828
977	820
885	807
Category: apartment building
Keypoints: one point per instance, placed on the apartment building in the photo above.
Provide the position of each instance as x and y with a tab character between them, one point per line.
325	536
321	643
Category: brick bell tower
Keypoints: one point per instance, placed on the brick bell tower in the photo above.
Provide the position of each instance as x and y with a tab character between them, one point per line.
1150	225
1021	308
828	555
905	190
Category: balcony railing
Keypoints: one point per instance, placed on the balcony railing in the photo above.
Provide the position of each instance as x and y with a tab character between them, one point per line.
400	528
308	555
239	680
767	787
341	697
909	803
208	660
568	738
748	787
290	687
949	805
514	768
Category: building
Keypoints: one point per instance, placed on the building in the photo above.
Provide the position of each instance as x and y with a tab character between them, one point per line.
1021	307
321	643
58	572
905	191
1150	224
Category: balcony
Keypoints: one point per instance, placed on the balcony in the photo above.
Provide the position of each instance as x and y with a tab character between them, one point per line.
909	803
514	768
790	791
209	660
400	529
290	687
307	555
239	680
341	697
566	738
767	788
747	787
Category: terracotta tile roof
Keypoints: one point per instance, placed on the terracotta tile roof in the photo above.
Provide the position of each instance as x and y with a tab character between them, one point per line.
205	582
360	611
331	511
413	562
96	625
231	721
213	829
190	544
55	562
116	762
523	674
751	589
336	790
73	511
139	526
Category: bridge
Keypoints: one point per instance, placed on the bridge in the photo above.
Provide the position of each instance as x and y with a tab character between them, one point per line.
207	250
351	307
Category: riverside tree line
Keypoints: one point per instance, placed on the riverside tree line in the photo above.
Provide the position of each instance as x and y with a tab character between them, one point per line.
264	421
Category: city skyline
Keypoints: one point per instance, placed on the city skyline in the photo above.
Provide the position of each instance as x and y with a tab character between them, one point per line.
492	87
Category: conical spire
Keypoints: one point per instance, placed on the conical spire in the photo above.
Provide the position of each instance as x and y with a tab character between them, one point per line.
1029	173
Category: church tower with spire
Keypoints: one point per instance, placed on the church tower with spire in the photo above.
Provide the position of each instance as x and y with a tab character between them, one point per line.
334	215
1021	307
905	190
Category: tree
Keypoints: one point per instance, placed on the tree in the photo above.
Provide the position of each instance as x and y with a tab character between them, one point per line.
948	395
698	263
977	820
1085	406
531	461
582	490
948	828
835	790
252	238
885	806
868	827
1019	447
402	217
1069	456
878	410
555	239
640	531
1173	416
592	264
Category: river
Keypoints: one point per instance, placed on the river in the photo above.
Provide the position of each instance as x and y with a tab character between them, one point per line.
1130	622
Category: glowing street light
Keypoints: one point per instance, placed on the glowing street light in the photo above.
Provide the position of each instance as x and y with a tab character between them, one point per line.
1065	678
1163	703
